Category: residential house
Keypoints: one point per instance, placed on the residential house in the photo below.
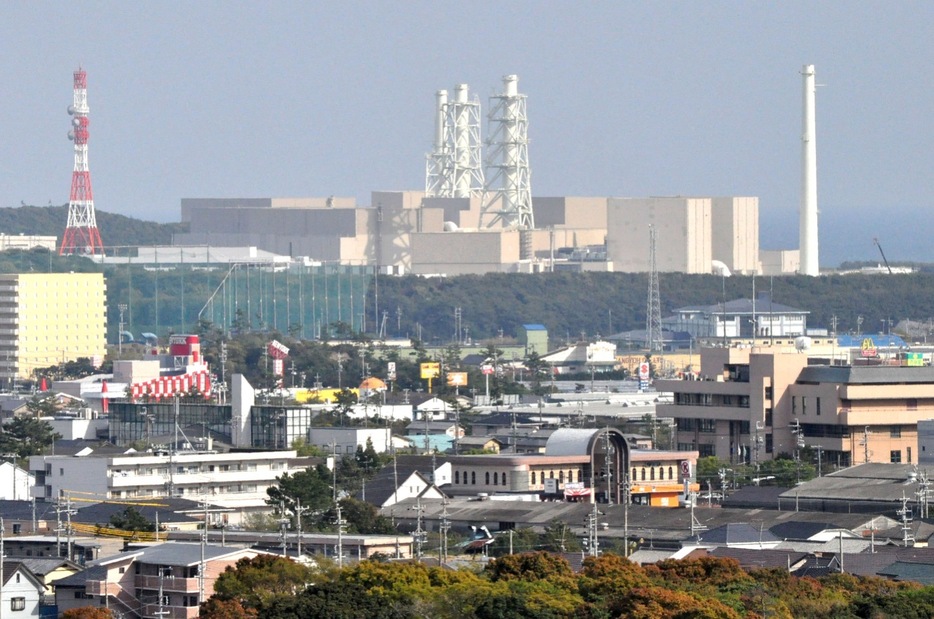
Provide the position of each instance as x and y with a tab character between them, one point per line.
130	582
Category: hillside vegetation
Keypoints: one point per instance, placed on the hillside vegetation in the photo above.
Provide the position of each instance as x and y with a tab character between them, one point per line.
567	304
116	230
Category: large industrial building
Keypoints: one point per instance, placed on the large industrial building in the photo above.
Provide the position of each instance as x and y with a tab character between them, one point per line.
50	318
476	214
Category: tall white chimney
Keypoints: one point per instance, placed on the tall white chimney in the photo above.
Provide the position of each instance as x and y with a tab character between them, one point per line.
807	240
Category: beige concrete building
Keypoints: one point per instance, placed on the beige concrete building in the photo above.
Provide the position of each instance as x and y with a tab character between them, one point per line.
683	227
749	402
779	261
405	231
50	318
735	233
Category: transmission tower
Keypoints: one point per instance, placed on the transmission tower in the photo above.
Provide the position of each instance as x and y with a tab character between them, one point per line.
81	233
653	308
509	192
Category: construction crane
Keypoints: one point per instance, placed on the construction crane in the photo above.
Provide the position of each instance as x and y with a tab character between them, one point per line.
876	242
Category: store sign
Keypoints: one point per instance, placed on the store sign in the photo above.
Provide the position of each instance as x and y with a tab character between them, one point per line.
868	348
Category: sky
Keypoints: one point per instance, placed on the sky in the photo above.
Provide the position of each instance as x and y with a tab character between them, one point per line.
296	99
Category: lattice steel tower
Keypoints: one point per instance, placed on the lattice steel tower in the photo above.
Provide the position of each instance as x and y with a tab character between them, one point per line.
81	233
653	308
509	192
455	168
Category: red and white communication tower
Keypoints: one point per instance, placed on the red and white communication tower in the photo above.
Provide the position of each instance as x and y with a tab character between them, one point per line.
81	233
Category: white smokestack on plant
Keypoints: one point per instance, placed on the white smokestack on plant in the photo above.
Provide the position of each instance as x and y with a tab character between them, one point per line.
461	142
441	110
807	241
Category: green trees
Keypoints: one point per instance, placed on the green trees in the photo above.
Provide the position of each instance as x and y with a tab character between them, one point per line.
26	436
131	520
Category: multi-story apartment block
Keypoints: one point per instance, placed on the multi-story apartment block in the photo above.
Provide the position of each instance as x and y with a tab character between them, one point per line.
132	582
50	318
752	404
235	481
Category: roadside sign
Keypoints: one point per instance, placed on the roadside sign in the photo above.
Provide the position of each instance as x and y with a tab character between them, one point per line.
431	370
457	379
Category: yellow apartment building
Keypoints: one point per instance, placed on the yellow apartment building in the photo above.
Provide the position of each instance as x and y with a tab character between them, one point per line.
50	318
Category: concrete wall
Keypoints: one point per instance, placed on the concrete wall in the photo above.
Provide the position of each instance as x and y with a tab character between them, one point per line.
683	228
779	261
455	253
735	233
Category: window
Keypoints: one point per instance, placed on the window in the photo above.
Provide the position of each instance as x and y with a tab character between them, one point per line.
643	474
818	405
768	417
634	472
707	425
794	405
17	603
473	478
895	432
909	454
533	478
652	473
457	477
671	473
661	473
768	444
768	393
502	478
487	478
895	456
561	477
804	405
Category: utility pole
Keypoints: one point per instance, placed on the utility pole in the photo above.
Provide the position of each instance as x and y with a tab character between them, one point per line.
122	308
865	442
420	533
626	498
799	445
445	526
340	537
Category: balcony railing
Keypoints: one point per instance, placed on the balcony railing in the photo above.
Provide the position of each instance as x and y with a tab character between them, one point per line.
169	583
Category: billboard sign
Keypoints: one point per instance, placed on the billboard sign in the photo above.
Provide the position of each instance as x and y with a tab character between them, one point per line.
431	370
457	379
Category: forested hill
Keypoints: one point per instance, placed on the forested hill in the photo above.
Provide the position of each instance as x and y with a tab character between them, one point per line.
116	230
605	303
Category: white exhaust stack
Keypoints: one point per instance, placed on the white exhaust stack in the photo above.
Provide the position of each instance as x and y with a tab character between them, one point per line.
807	241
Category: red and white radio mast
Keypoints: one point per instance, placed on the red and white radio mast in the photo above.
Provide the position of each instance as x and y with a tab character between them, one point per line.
81	234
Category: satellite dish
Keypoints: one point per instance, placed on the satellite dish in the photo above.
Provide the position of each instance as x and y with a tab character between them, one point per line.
450	226
802	343
71	135
718	267
71	110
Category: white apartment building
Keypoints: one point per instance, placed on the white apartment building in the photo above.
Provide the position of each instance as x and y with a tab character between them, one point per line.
235	481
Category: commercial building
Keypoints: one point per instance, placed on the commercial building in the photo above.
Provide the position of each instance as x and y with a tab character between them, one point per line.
50	318
751	404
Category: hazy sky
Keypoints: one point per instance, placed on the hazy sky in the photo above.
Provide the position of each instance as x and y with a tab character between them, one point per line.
209	99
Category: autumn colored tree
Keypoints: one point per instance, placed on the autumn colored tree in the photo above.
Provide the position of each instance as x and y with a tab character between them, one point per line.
216	608
664	603
87	612
607	579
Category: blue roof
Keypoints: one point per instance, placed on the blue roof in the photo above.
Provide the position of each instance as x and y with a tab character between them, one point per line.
534	327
